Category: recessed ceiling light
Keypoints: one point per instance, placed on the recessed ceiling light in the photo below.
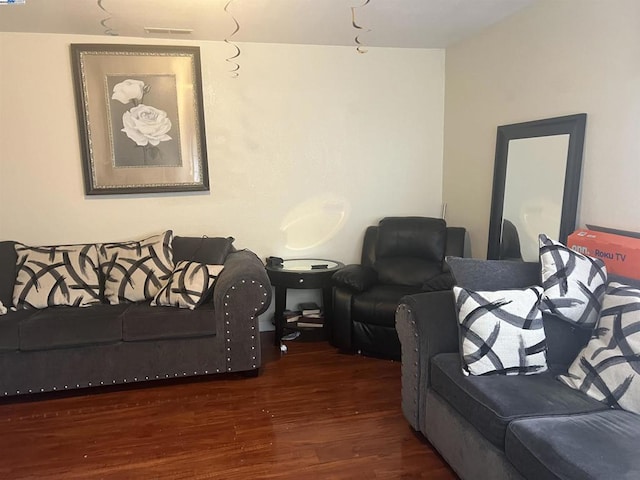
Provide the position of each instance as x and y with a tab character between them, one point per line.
177	31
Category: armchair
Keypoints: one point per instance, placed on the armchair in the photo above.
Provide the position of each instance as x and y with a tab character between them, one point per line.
400	256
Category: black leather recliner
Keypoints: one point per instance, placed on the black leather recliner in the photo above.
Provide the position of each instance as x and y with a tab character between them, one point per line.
400	256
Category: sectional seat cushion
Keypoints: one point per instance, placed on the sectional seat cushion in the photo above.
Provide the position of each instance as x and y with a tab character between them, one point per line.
489	403
9	329
144	322
63	327
576	447
190	285
56	275
501	332
135	271
574	284
608	368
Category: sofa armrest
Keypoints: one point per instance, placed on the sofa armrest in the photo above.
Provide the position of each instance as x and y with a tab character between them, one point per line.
427	325
242	292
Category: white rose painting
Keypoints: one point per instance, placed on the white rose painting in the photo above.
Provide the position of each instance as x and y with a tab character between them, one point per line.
129	90
141	109
141	118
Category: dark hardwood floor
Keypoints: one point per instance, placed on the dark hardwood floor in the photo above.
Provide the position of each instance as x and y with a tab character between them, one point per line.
312	413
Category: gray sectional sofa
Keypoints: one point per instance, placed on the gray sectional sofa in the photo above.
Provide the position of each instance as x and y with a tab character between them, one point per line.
507	427
68	347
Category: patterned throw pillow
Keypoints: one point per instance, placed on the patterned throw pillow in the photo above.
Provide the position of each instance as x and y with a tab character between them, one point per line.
501	332
608	368
189	285
135	271
574	284
57	275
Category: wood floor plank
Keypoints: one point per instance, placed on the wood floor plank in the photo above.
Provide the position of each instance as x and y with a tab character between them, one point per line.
312	413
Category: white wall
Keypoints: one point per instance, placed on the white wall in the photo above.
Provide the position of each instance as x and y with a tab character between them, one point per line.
322	139
555	58
303	129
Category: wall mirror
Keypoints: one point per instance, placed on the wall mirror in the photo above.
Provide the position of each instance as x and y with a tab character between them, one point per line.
536	182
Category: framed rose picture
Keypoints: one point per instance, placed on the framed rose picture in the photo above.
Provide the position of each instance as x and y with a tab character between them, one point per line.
141	118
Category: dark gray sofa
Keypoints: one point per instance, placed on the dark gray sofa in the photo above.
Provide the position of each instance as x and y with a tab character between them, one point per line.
506	427
63	348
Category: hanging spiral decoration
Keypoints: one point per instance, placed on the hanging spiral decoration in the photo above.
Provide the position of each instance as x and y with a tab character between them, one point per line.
359	48
232	60
107	29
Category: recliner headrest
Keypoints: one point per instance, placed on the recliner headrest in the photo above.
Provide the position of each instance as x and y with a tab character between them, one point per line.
420	237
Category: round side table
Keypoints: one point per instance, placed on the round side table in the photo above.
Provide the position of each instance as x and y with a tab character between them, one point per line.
304	273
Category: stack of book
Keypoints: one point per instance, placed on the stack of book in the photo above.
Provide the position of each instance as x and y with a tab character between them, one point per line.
292	316
310	316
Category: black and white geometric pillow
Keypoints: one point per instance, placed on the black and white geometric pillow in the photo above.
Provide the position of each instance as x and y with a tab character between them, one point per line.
608	368
501	332
135	271
189	285
56	275
574	284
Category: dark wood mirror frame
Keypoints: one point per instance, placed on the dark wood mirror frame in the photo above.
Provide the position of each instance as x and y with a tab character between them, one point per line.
574	126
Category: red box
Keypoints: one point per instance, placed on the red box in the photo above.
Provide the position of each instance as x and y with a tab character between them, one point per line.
619	253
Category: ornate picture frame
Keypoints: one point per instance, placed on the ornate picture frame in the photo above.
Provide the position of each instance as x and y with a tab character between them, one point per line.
140	118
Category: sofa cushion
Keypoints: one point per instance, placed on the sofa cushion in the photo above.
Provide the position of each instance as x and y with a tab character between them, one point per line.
477	274
377	306
189	286
210	250
608	368
8	258
574	284
501	332
134	271
489	403
61	327
9	329
564	341
144	322
598	445
56	275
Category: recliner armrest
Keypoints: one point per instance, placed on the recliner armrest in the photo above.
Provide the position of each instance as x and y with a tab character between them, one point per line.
442	281
355	277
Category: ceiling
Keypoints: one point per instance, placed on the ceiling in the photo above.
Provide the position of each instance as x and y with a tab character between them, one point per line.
385	23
